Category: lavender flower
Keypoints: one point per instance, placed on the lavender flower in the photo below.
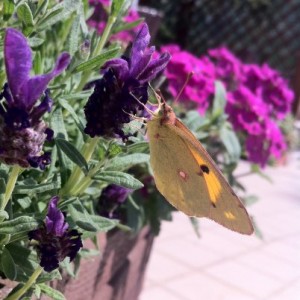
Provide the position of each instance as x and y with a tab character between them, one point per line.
22	132
124	80
111	200
55	240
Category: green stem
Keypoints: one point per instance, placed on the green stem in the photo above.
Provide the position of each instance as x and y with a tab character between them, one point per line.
87	152
85	75
31	281
10	185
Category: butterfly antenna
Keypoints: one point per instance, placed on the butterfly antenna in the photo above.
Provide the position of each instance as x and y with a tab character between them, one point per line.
141	119
188	78
142	104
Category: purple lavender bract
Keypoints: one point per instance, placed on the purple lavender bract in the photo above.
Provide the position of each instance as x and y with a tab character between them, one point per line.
55	240
22	132
111	200
124	80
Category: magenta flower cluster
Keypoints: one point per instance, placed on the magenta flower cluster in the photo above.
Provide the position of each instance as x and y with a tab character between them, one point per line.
258	96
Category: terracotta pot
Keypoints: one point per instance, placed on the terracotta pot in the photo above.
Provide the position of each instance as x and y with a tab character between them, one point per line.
116	274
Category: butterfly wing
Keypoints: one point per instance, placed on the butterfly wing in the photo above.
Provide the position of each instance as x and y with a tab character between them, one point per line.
188	178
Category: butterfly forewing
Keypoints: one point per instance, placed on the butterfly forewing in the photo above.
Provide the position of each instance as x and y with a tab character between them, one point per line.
187	177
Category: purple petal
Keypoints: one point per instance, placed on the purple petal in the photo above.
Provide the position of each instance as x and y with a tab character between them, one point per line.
119	66
154	67
140	66
38	84
55	220
45	106
139	45
17	62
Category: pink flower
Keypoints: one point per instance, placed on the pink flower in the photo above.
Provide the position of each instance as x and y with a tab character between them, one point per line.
246	111
200	87
228	67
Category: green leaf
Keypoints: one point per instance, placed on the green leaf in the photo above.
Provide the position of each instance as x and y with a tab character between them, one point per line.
46	277
24	223
42	8
72	112
8	9
58	126
219	101
97	61
73	39
55	15
87	253
37	63
120	178
127	25
8	265
37	188
89	222
35	42
121	163
231	143
49	291
74	155
25	15
4	214
24	202
116	7
138	147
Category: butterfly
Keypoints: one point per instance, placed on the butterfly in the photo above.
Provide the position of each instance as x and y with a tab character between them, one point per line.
187	176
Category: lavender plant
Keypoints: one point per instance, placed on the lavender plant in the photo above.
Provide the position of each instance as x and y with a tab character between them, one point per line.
74	157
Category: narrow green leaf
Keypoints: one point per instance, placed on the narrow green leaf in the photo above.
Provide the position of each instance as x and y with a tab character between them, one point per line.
138	147
98	61
127	26
219	101
58	126
8	265
74	155
120	163
231	143
4	214
42	8
37	63
72	112
51	18
25	15
37	188
8	9
74	36
35	42
119	178
49	291
89	222
116	7
19	224
46	277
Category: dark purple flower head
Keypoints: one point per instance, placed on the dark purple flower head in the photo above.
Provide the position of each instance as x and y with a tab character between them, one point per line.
124	80
55	240
111	199
22	132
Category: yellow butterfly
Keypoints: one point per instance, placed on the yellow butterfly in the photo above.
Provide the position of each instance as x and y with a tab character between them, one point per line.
186	175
